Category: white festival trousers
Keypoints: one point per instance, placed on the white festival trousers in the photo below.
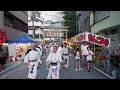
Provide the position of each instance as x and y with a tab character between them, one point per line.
66	60
32	70
53	72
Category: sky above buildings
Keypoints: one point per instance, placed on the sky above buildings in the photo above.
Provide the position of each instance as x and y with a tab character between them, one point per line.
51	15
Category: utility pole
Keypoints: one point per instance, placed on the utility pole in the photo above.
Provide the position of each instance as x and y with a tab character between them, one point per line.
66	36
43	36
60	31
33	19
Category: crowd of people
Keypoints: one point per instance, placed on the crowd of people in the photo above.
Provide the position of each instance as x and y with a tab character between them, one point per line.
58	58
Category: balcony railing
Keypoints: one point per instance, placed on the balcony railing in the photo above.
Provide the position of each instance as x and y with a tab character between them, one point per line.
39	24
36	32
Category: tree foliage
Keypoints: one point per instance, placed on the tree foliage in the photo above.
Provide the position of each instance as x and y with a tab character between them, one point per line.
70	20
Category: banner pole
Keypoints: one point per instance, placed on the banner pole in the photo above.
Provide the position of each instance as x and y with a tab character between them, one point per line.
94	48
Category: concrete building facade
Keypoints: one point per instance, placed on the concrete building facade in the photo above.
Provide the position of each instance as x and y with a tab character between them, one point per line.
54	32
83	21
15	23
38	24
106	23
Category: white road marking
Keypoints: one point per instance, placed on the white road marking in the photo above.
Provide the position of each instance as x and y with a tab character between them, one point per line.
12	72
10	67
102	72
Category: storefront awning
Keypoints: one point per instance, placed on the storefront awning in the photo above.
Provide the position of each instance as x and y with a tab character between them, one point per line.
22	39
93	38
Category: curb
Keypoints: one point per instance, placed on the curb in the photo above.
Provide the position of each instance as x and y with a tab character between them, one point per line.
102	72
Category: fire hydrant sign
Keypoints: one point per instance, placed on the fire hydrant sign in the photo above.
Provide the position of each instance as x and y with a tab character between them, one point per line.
93	38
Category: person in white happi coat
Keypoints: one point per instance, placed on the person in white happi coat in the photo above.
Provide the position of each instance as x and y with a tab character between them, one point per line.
40	54
40	47
51	49
31	59
60	48
84	52
65	53
54	59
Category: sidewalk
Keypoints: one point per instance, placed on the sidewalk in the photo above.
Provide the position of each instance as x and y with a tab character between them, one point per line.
113	67
117	69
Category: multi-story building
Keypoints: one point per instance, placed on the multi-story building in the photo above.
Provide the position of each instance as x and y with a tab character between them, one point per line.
106	23
83	21
15	23
38	24
54	32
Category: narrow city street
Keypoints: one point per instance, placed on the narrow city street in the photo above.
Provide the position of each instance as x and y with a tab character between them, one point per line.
90	35
19	70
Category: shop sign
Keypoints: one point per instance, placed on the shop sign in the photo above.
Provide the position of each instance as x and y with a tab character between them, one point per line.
93	38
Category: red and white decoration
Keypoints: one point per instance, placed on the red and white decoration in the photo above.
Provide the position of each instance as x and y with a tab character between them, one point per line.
54	34
93	38
19	48
12	58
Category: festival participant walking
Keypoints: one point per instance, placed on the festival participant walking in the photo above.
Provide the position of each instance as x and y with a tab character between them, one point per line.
60	49
54	59
31	59
84	53
89	58
40	54
65	53
77	60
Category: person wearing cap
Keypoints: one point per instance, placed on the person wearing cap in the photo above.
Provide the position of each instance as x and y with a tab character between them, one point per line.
31	59
54	59
65	53
40	54
107	54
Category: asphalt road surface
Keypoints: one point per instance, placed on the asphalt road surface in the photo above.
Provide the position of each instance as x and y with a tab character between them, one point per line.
19	70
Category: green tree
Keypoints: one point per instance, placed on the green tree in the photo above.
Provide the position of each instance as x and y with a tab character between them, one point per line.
70	20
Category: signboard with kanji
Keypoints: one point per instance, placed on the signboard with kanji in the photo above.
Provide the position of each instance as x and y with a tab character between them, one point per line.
93	38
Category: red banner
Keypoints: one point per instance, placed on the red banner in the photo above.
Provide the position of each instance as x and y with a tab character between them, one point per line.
3	36
81	37
93	38
98	39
